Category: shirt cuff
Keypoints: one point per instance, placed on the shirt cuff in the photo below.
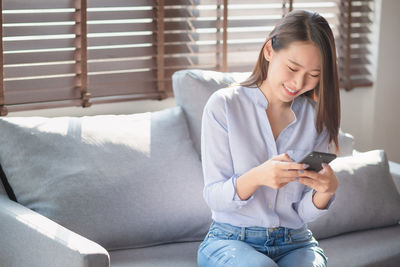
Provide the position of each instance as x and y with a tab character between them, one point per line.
236	197
308	211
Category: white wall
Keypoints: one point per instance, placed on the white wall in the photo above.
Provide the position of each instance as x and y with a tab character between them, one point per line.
386	132
387	95
372	115
357	110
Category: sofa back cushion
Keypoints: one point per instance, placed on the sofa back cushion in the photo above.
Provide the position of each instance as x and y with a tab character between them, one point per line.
193	87
366	197
2	189
123	181
5	188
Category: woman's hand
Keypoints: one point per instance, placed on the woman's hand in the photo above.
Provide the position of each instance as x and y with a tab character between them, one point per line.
275	173
323	182
279	171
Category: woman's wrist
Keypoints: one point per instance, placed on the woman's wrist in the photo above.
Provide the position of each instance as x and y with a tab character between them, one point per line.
321	200
256	176
248	183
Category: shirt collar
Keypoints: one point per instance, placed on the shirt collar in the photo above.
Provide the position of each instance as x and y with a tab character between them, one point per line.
259	99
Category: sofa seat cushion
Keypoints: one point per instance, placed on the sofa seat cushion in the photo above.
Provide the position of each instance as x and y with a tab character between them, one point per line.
122	181
168	255
372	248
365	199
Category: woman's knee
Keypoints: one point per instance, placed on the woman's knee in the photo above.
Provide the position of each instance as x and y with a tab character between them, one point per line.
305	257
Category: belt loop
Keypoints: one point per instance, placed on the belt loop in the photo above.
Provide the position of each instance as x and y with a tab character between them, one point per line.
242	234
287	234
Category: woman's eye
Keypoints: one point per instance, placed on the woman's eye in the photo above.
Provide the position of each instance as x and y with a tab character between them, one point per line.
314	76
292	69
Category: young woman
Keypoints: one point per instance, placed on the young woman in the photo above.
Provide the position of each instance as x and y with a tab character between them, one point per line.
253	134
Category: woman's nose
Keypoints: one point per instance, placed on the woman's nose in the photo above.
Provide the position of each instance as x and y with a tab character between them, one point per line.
299	81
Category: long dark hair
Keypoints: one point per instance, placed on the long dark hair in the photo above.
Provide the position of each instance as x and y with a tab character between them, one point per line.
301	25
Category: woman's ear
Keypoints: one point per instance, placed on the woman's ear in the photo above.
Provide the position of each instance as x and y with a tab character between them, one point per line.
268	51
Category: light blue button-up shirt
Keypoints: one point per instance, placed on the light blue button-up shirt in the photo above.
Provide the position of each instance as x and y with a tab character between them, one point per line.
236	137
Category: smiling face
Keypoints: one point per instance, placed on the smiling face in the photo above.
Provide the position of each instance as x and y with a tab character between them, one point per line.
291	72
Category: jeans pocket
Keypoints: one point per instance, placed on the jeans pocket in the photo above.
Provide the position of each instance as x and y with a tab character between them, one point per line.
219	233
300	235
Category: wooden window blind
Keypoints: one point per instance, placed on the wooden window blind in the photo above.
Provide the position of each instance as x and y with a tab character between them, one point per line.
354	43
80	52
123	50
350	20
249	24
38	52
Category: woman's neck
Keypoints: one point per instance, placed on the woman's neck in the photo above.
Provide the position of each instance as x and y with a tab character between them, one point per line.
273	101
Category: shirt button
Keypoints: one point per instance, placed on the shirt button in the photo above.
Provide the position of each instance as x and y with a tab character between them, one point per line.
270	206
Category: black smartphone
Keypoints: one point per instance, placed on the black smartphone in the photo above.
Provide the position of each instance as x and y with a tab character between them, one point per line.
315	160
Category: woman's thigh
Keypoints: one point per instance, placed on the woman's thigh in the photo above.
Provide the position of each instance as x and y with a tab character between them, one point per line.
310	256
229	253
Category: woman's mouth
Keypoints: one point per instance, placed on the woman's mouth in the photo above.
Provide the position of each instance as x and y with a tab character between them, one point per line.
290	91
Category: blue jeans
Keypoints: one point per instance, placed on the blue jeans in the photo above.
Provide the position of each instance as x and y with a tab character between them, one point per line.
228	245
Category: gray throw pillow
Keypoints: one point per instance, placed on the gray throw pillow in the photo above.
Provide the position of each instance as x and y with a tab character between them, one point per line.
366	197
122	181
193	87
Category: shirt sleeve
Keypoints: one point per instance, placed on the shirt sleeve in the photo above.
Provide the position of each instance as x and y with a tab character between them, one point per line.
307	211
219	177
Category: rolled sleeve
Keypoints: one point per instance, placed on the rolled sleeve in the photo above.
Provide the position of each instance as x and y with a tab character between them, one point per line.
308	212
219	176
236	196
222	196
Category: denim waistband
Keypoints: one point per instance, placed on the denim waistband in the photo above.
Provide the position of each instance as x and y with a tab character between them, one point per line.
256	231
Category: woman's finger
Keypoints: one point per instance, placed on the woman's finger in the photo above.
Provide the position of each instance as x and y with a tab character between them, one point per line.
312	175
307	181
289	174
326	168
293	166
282	157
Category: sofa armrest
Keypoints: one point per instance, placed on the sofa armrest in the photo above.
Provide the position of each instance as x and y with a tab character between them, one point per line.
395	171
30	239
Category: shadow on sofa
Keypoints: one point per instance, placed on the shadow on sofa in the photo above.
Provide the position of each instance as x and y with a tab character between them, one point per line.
126	190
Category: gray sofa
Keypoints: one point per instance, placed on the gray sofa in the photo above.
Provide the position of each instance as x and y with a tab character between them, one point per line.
126	190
